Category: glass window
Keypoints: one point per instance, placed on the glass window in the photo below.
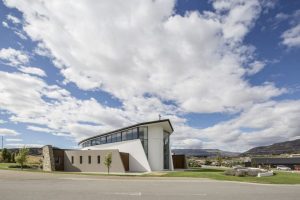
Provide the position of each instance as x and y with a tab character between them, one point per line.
119	137
90	159
103	139
98	158
166	150
129	134
97	141
108	139
124	135
80	159
143	133
134	133
72	158
114	137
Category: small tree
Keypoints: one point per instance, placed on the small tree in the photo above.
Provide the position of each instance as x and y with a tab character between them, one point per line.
207	162
108	161
5	155
219	160
12	159
21	157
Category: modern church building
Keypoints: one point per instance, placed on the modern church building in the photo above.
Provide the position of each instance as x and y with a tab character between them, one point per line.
142	147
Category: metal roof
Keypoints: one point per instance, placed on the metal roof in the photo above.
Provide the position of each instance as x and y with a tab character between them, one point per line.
132	126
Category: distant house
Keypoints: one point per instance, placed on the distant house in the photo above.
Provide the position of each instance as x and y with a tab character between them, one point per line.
291	162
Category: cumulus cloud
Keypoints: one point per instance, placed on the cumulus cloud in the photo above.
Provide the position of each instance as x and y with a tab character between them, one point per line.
13	140
4	24
262	124
39	129
8	132
291	37
13	57
30	100
16	58
171	57
13	19
148	57
33	71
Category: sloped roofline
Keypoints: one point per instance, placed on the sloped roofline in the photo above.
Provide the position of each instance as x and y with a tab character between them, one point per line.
135	125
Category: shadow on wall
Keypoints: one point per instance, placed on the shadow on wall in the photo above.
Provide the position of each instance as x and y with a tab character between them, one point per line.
71	167
135	164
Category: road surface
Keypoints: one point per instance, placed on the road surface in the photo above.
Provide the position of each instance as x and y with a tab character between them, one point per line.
34	186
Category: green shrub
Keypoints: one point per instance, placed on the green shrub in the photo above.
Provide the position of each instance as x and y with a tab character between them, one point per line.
21	157
193	163
207	162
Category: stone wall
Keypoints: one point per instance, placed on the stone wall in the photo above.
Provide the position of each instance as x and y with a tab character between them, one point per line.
48	158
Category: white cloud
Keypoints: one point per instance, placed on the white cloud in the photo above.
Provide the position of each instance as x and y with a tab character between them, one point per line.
8	132
30	100
20	34
13	19
291	37
33	71
2	121
13	139
262	124
13	57
17	58
145	55
4	24
184	59
39	129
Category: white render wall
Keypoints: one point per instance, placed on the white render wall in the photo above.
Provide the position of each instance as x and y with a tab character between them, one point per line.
156	147
137	158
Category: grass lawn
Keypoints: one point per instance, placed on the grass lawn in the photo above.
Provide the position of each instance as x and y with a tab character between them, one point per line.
5	165
218	174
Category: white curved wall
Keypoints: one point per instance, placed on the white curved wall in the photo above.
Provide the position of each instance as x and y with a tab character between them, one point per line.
137	158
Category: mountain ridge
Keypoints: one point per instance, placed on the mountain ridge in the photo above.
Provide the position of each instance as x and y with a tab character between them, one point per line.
286	147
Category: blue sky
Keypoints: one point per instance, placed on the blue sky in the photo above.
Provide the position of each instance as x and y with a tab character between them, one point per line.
225	72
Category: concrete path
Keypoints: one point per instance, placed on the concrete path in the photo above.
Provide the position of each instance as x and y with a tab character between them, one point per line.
34	186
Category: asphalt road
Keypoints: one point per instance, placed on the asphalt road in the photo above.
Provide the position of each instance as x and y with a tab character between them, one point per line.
32	186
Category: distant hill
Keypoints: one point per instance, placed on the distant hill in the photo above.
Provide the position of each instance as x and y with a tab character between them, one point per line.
204	152
275	149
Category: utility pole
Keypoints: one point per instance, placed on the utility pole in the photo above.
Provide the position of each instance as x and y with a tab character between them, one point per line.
159	116
2	142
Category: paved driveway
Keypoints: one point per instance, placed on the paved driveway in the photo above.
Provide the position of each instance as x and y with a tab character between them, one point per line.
31	186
